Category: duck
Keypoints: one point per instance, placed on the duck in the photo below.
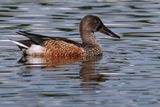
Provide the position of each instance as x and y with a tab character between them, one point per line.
60	47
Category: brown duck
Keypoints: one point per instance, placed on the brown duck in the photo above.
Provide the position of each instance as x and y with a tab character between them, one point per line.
58	47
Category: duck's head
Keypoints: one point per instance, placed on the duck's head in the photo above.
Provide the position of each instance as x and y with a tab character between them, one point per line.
91	24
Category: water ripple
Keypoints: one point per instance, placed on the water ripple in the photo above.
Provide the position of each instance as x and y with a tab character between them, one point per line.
126	75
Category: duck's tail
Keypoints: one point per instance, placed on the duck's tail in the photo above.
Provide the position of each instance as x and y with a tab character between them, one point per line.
21	45
27	47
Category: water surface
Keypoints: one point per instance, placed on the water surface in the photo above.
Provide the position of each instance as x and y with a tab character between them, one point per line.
126	76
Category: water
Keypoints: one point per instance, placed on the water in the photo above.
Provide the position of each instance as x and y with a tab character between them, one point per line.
126	76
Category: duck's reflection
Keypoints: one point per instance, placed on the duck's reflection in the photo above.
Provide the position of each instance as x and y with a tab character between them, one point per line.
88	74
46	61
90	77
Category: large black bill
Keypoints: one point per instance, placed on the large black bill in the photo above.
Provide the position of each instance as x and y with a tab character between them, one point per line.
108	32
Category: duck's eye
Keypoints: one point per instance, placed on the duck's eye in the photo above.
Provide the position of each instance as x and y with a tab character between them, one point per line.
96	21
97	26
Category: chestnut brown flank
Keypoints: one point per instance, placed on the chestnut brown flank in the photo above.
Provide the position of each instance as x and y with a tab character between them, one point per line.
62	49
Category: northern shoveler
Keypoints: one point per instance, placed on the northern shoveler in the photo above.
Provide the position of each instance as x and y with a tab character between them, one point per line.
58	47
